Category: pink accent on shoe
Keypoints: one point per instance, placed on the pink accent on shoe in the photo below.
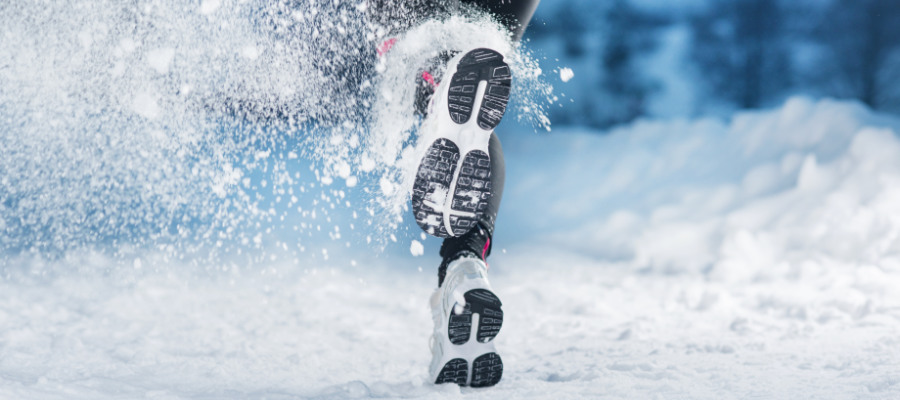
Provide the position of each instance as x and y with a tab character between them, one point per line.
386	46
429	78
486	247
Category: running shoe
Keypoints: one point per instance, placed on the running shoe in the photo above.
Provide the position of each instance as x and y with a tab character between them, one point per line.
453	181
467	317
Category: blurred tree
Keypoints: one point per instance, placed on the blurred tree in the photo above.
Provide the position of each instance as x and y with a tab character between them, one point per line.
862	43
570	20
605	43
741	51
629	34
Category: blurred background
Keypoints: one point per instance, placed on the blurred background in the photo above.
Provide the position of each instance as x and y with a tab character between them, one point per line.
687	58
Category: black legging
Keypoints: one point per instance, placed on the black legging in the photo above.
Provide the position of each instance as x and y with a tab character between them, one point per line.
399	15
498	177
514	15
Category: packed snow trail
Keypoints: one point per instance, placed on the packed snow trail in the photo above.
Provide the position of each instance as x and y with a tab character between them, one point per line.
574	328
679	275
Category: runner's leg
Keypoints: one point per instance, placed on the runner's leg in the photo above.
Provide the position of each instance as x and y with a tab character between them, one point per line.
514	14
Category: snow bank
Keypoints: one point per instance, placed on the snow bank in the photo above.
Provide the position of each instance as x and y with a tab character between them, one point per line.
758	196
702	259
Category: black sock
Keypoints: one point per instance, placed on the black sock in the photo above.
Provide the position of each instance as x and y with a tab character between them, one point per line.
476	243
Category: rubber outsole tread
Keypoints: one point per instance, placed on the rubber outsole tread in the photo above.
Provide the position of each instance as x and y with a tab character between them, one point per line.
459	328
487	306
432	185
487	370
473	191
454	371
490	315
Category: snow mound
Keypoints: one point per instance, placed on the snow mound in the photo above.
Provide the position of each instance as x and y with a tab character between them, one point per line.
758	196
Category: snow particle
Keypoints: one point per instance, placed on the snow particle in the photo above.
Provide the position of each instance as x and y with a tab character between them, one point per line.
343	170
144	104
128	45
85	39
250	52
352	181
366	164
387	187
416	248
160	59
566	74
209	6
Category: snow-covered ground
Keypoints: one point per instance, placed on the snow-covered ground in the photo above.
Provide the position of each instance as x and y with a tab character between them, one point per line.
752	258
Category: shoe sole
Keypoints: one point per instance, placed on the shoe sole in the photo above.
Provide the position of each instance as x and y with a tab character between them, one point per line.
444	170
487	368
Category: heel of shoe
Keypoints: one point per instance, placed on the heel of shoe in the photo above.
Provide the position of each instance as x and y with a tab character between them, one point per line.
476	66
454	371
487	307
487	370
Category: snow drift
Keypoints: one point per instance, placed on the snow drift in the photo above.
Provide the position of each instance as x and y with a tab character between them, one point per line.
738	200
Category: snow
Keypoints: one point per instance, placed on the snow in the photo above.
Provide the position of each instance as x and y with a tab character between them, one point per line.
145	105
416	248
117	120
566	74
750	258
250	52
208	7
154	248
672	195
387	187
351	181
161	59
